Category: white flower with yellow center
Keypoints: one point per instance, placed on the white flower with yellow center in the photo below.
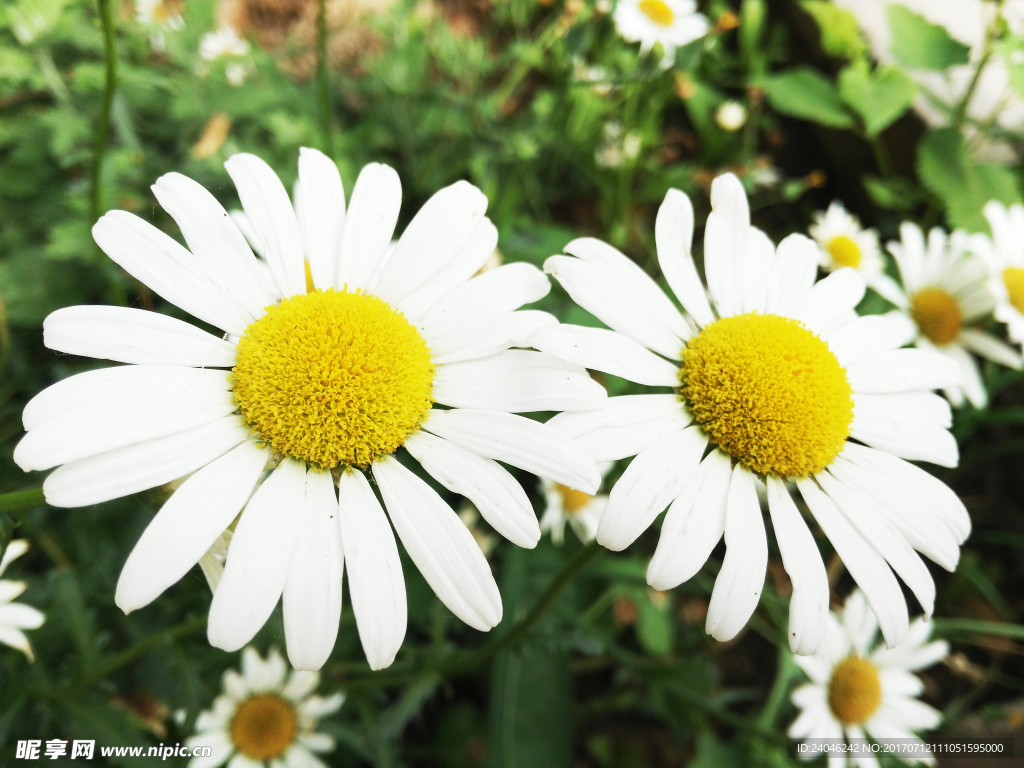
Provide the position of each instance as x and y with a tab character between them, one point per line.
265	717
845	243
15	617
158	12
335	360
784	383
580	510
1003	254
859	691
671	23
944	291
222	42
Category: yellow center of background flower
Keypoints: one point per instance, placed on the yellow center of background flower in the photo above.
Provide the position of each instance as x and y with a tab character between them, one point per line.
854	691
333	378
657	11
263	726
769	392
572	500
844	251
937	315
1013	279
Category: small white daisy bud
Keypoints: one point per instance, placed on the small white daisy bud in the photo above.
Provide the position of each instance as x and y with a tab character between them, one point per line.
731	116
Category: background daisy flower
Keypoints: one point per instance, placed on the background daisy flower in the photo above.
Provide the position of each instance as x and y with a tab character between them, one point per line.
669	22
859	689
783	381
943	292
265	717
335	364
16	617
580	510
1003	254
845	243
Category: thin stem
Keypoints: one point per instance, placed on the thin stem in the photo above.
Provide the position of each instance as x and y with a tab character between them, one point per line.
323	84
960	113
783	676
103	127
18	501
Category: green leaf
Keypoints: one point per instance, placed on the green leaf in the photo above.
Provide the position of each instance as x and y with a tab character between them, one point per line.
964	187
894	194
840	33
879	97
919	44
802	92
655	629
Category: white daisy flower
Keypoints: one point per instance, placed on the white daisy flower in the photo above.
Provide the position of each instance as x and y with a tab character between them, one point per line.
222	42
670	22
580	510
943	292
786	383
843	242
158	12
1003	254
265	717
859	691
15	617
332	371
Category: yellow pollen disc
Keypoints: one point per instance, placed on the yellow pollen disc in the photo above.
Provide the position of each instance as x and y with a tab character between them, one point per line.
844	251
657	11
263	726
854	690
768	392
937	315
572	500
333	378
1013	279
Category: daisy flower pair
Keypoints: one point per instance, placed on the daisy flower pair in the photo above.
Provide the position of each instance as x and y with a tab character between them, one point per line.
337	351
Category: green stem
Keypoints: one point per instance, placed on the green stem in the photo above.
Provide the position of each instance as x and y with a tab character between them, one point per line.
960	113
783	677
18	501
103	127
979	627
323	84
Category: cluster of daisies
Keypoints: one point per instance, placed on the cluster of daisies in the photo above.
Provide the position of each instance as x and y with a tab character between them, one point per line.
348	367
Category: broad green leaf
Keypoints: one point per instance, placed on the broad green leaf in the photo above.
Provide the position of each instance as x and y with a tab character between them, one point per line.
879	97
840	34
919	44
802	92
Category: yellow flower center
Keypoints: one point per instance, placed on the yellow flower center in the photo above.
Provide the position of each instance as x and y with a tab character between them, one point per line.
333	378
844	251
657	11
854	690
161	13
937	315
1013	279
264	726
768	392
573	501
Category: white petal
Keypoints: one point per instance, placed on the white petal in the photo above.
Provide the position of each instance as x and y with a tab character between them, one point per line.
654	478
198	512
624	425
270	212
321	217
902	370
863	561
925	407
738	586
20	616
693	526
11	590
106	425
488	335
517	381
504	289
369	225
434	236
725	238
618	304
869	335
301	683
607	351
988	346
673	234
970	375
242	222
375	579
440	544
808	607
860	623
17	640
518	441
499	497
792	275
137	467
830	298
312	591
907	438
258	560
214	239
158	261
220	744
15	549
753	269
134	336
263	675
